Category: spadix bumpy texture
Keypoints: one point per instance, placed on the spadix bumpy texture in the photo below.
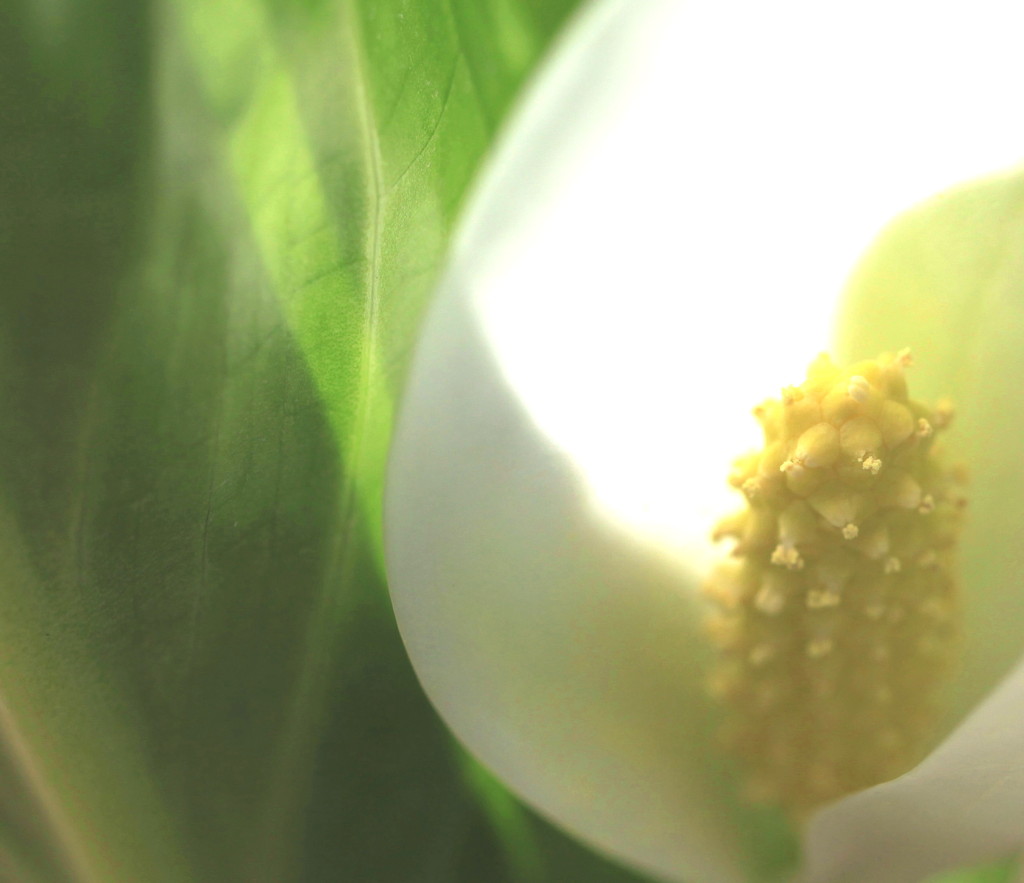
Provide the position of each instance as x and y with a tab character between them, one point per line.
836	617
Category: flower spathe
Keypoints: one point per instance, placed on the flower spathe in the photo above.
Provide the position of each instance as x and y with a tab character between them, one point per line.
566	653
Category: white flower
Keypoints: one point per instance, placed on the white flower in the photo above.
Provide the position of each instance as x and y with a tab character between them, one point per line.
659	243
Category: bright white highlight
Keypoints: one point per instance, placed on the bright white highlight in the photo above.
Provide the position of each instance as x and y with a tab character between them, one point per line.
686	260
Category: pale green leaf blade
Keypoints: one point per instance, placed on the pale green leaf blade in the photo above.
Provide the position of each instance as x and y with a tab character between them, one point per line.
219	228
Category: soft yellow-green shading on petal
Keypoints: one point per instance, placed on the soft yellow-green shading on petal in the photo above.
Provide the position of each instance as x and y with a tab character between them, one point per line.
838	610
947	279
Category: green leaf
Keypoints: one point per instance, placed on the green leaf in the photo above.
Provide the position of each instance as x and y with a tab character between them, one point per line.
219	226
1004	872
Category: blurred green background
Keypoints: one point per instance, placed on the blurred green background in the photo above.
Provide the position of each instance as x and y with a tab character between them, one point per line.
219	226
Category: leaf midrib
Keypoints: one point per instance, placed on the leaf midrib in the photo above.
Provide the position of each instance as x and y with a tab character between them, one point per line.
307	707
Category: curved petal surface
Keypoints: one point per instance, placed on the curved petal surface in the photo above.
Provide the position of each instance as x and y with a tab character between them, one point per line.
963	805
718	199
948	278
563	654
683	198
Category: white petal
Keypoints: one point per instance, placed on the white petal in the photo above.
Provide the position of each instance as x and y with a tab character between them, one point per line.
565	656
959	251
962	806
690	203
681	197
